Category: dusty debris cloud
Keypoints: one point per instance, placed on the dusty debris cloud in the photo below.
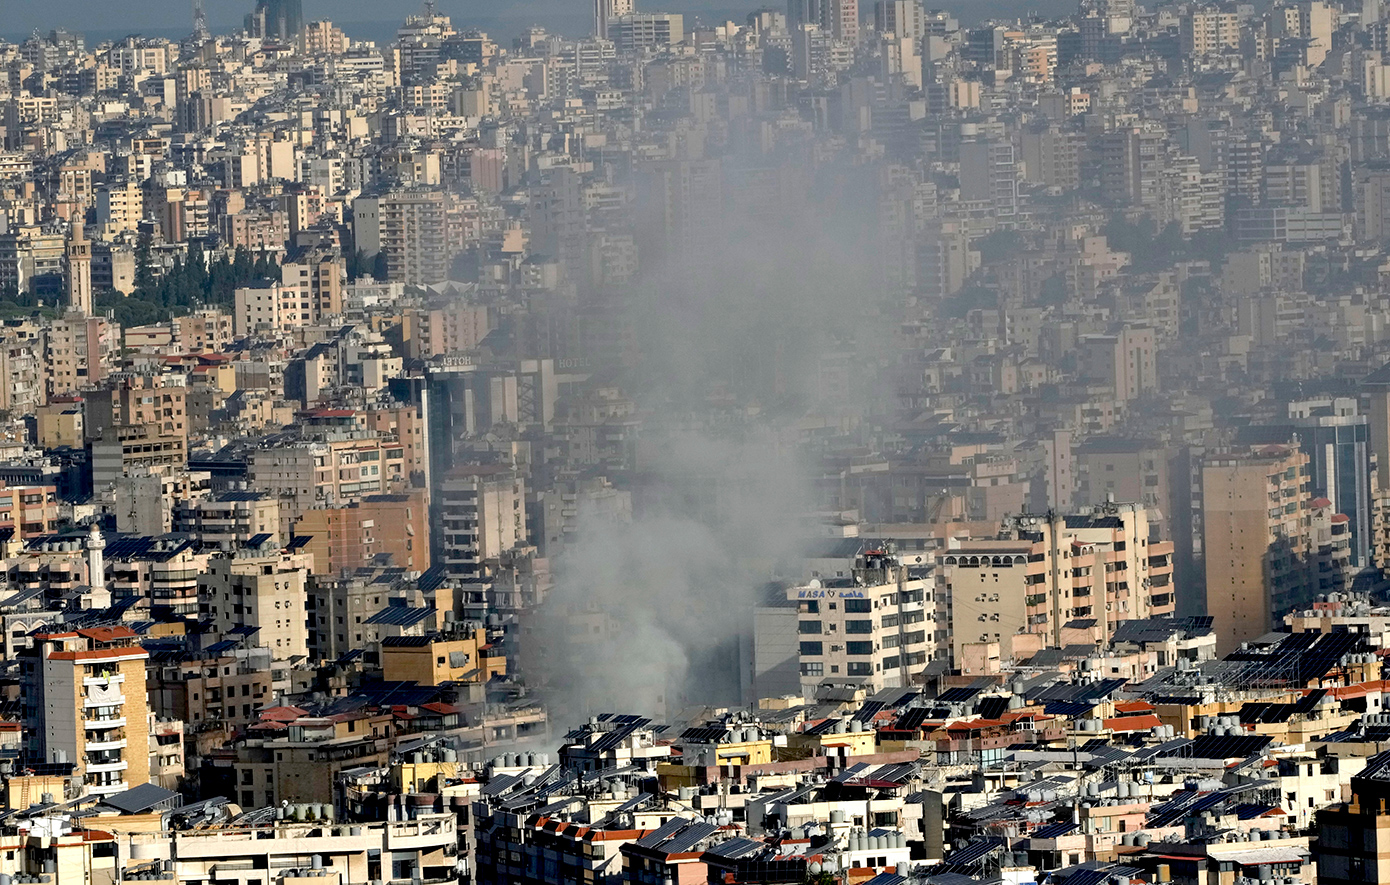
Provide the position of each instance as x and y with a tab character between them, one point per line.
656	616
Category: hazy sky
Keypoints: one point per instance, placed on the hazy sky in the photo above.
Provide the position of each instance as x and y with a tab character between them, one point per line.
22	16
506	18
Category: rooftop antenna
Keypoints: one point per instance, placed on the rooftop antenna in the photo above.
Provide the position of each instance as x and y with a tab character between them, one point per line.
200	21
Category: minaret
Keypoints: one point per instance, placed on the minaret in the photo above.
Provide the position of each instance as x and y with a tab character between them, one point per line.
96	561
79	271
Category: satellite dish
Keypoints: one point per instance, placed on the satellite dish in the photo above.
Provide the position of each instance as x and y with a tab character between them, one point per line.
814	584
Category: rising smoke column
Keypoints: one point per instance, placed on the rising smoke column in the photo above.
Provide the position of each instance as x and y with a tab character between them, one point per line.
654	616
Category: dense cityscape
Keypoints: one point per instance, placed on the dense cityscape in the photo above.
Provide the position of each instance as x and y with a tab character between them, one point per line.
843	443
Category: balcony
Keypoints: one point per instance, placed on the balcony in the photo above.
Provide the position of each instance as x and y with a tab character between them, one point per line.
104	723
104	680
104	743
108	789
101	767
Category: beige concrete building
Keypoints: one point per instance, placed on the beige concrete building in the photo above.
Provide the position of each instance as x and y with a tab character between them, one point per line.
315	474
269	308
119	208
482	512
1053	581
347	537
60	423
1255	519
464	656
123	448
221	690
261	588
1207	31
870	629
411	228
85	703
229	518
77	352
315	283
448	329
1125	361
1121	469
424	848
155	402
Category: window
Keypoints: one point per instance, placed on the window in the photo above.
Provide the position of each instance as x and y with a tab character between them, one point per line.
810	628
859	648
859	668
812	649
859	626
813	669
858	605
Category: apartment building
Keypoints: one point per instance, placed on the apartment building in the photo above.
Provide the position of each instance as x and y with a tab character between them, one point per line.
77	352
464	655
636	31
267	308
410	228
1051	581
155	402
123	449
334	472
162	570
358	534
1255	525
1209	31
120	208
29	510
316	280
259	590
423	848
85	702
871	629
481	515
226	519
1125	360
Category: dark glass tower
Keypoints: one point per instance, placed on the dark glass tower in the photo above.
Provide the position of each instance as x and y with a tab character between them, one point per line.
284	19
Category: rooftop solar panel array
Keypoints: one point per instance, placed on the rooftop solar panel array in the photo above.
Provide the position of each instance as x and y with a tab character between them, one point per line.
1216	746
974	852
912	718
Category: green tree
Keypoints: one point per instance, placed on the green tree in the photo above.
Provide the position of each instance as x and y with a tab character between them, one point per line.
144	264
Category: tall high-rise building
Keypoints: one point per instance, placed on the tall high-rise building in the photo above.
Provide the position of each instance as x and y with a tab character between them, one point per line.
606	10
481	514
261	586
989	172
1255	527
85	703
276	19
1336	439
1125	360
838	18
870	628
1209	31
410	227
902	18
841	19
804	12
